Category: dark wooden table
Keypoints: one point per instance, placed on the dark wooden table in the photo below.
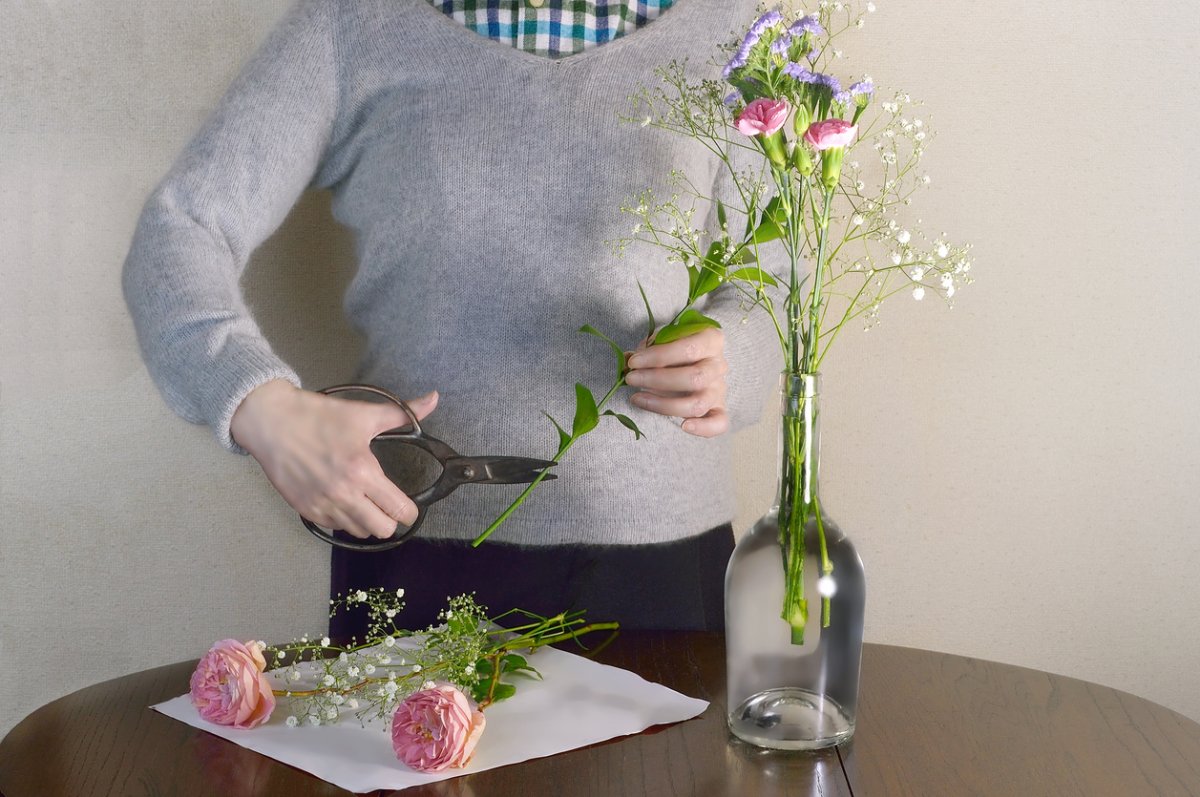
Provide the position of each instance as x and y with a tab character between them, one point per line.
929	724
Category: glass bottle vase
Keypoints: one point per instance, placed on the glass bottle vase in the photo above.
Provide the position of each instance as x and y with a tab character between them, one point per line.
795	595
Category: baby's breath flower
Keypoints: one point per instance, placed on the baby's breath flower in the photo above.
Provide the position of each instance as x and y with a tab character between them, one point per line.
368	668
292	722
361	595
904	236
328	680
314	720
331	714
352	703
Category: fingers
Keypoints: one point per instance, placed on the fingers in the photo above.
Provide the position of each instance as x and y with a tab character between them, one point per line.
691	349
685	379
680	378
691	405
384	417
715	422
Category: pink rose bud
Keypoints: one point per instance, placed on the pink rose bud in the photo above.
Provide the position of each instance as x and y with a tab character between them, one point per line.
762	117
436	728
830	133
229	686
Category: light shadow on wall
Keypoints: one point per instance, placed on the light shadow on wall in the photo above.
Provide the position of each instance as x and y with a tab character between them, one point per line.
294	285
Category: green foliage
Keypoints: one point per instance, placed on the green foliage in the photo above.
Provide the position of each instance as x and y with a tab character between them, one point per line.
617	350
628	423
586	414
689	322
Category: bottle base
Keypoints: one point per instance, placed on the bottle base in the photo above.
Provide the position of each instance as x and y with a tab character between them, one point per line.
789	718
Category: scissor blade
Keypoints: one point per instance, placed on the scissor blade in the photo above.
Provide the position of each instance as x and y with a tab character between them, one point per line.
513	470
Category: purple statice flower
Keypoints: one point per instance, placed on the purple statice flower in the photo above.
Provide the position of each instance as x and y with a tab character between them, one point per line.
737	62
842	96
862	87
767	20
830	82
732	98
780	46
812	55
760	26
805	25
801	73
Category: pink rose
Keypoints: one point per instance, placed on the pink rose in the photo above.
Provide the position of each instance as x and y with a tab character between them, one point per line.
229	687
436	728
762	117
830	133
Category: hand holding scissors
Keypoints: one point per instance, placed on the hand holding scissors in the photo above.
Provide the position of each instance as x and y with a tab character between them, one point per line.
457	470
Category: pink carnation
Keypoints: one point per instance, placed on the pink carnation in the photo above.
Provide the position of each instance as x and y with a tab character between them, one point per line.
762	117
436	728
830	133
229	686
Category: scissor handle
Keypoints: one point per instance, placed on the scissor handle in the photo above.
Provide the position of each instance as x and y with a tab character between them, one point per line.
399	538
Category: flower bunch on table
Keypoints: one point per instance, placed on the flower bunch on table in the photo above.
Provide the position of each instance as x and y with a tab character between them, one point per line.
431	695
837	214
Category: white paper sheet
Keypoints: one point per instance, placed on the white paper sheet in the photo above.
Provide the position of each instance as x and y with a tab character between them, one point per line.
579	702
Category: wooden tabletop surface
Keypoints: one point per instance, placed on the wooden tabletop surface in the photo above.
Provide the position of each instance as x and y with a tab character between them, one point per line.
929	724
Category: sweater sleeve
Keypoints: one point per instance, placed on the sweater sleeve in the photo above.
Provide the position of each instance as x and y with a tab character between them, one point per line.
228	190
752	346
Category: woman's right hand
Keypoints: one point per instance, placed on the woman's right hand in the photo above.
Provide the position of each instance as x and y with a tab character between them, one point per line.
315	450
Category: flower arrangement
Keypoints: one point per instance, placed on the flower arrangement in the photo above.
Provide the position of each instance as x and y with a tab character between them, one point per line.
430	687
838	266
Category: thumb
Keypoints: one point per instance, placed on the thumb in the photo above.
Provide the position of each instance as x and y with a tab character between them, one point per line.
390	416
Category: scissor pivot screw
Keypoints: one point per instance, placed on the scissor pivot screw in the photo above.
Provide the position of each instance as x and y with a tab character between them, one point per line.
468	472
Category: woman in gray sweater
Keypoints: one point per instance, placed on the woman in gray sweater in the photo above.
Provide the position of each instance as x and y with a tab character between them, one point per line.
482	182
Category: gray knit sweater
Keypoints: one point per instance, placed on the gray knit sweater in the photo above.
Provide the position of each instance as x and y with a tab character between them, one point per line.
481	183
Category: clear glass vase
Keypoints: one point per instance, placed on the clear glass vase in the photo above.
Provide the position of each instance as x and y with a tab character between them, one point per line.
795	595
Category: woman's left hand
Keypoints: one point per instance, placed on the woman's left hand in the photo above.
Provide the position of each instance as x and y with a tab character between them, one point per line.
684	379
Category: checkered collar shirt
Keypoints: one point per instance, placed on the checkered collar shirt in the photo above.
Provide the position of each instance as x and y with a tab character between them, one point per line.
553	28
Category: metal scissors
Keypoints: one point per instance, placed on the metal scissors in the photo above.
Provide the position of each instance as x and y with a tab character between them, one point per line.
456	471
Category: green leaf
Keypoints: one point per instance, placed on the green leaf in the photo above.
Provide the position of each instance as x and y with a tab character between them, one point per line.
693	280
721	214
483	668
563	437
775	211
689	323
479	691
586	414
511	662
711	270
766	231
628	423
649	312
502	692
617	350
755	275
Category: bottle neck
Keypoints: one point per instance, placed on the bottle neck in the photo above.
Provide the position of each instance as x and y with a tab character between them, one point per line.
799	439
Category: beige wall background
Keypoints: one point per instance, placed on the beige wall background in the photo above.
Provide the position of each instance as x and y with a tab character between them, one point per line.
1020	473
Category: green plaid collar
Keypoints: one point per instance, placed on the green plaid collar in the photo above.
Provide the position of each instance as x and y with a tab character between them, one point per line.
553	28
